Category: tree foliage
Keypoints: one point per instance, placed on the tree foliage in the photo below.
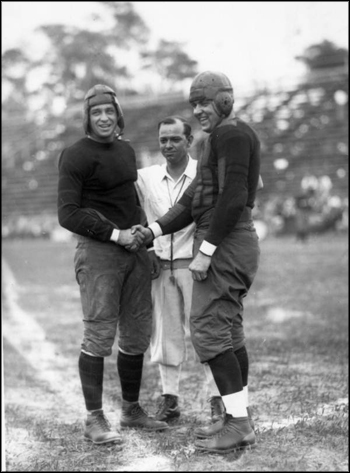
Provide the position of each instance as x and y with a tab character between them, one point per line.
324	55
171	61
78	58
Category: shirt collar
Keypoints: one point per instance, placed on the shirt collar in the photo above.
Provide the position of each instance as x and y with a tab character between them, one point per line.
164	174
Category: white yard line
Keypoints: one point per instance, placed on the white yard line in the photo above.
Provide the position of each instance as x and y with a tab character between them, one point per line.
28	337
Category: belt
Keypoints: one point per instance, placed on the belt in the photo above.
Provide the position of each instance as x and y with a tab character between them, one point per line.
181	263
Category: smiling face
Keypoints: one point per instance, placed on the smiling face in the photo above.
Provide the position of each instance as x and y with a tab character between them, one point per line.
205	113
173	143
103	122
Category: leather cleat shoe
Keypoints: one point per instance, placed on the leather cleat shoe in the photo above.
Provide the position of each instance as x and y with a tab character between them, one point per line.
213	429
168	408
134	416
236	435
210	430
98	429
217	408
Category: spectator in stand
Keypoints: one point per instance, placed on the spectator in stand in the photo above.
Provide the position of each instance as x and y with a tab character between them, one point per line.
97	201
159	188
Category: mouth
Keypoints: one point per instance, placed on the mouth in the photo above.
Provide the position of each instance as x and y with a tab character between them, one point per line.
203	120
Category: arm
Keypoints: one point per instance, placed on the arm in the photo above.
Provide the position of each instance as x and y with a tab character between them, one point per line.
85	221
238	181
82	221
179	216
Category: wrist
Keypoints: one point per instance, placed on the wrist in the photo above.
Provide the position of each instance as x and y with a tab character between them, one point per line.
115	235
155	229
151	233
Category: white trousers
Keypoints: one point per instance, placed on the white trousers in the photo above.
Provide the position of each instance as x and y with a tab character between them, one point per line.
171	310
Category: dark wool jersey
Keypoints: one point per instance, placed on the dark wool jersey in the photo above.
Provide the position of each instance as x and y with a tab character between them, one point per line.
226	183
96	191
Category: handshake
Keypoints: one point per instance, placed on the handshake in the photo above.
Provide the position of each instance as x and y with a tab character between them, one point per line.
135	237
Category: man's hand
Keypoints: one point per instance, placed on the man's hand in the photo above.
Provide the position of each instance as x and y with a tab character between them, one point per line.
155	264
146	232
130	239
199	266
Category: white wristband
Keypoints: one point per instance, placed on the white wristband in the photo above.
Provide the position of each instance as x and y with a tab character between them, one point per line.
156	229
207	248
115	235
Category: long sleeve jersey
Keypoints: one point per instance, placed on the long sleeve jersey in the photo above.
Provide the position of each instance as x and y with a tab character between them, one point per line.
226	183
96	191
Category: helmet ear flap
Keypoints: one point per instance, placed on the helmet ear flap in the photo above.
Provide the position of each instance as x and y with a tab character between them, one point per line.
224	102
120	114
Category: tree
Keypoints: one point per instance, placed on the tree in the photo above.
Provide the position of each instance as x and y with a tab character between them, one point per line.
170	61
80	58
113	51
324	55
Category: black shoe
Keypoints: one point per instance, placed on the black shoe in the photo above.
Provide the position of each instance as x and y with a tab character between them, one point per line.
168	408
134	416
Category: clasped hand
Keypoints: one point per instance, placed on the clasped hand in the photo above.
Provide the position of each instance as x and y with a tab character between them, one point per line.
135	237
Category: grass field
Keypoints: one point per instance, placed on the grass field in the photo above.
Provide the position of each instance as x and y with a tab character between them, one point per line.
297	338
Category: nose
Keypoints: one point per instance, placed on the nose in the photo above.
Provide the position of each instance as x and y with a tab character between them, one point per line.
197	110
168	144
104	116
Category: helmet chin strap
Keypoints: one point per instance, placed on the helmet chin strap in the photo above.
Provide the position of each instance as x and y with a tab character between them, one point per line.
221	115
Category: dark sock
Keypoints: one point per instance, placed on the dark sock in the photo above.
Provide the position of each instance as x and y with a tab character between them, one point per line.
130	375
242	357
91	376
226	372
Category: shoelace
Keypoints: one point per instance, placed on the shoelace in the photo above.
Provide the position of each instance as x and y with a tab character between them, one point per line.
103	422
166	402
215	406
138	411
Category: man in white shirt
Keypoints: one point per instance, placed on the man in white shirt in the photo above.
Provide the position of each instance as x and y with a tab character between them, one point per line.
159	188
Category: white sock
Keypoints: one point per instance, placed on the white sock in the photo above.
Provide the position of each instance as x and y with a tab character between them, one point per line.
236	404
212	389
245	390
170	376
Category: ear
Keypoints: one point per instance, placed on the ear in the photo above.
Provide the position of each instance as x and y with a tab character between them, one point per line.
190	140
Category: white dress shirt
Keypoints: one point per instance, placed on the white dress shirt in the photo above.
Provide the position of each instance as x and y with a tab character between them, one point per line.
158	192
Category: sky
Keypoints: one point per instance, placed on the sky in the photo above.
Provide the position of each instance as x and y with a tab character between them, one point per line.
254	43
